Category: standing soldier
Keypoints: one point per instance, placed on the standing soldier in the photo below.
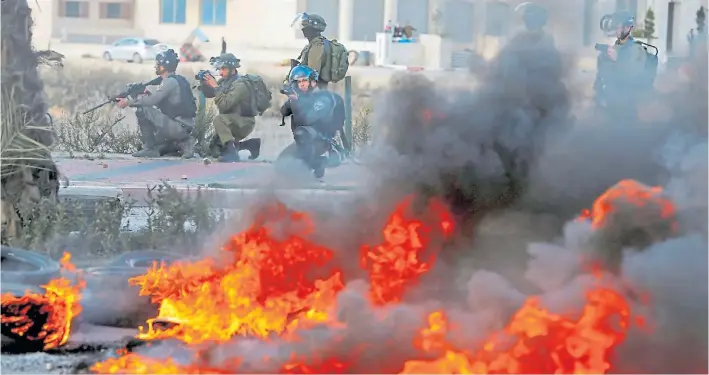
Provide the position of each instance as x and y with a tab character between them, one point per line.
327	57
313	55
621	72
167	116
236	118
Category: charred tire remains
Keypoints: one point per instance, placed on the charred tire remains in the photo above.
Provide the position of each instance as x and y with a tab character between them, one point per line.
27	268
110	300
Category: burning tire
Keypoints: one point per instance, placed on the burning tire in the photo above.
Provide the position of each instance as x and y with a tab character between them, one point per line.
110	300
27	268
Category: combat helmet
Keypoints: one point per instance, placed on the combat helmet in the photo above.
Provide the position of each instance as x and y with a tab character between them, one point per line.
167	59
307	20
226	60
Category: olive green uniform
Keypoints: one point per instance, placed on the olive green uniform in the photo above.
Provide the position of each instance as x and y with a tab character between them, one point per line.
313	55
232	97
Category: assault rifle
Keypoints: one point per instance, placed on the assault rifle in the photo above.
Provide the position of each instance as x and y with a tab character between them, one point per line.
132	90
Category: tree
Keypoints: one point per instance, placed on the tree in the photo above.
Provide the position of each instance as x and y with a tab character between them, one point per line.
649	29
29	174
701	20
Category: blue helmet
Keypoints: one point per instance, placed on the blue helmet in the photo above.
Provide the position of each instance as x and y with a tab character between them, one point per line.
302	71
167	59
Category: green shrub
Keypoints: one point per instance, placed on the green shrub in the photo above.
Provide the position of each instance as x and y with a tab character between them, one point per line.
100	227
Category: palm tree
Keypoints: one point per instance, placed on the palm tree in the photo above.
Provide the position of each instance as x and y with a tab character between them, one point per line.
28	173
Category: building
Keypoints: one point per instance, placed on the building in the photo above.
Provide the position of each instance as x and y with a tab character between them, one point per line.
480	25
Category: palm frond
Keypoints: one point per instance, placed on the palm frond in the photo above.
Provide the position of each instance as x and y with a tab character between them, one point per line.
17	146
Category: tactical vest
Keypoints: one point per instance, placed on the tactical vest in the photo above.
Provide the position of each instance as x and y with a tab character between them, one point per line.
187	108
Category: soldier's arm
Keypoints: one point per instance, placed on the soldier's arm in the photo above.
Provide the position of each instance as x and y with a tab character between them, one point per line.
228	98
316	56
168	85
286	109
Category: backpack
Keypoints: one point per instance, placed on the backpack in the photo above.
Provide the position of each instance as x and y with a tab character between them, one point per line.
337	57
260	94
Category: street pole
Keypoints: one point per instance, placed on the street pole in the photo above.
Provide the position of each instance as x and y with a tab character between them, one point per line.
348	111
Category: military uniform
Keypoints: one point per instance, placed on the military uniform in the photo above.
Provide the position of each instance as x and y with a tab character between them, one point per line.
313	55
158	115
232	98
619	83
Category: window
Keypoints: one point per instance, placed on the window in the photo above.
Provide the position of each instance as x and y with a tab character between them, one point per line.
172	11
74	9
116	10
150	42
213	12
497	18
126	42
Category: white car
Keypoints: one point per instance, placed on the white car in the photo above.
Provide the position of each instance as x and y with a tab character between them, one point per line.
133	50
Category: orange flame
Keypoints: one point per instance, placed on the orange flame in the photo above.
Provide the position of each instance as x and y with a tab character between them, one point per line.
270	286
538	342
57	308
632	192
406	253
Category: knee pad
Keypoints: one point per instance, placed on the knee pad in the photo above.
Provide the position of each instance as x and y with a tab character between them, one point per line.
141	117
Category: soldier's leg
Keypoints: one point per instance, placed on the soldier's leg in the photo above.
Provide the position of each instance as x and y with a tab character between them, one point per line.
178	136
223	125
253	145
146	117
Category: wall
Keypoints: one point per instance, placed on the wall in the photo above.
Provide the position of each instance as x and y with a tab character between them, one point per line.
42	13
93	25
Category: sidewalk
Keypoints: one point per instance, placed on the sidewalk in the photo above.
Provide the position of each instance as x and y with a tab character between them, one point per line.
222	184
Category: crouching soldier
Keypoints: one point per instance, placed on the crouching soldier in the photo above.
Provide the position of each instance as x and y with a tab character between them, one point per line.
166	117
239	100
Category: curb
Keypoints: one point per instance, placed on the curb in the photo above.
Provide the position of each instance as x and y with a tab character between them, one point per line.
233	197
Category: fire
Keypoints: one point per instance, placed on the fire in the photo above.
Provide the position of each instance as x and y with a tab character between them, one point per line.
54	310
632	192
271	280
132	363
406	253
265	283
535	341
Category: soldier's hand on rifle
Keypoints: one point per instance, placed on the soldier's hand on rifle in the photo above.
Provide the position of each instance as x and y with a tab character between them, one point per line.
210	81
122	103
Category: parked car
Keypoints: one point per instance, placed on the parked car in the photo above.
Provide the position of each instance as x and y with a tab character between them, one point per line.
133	50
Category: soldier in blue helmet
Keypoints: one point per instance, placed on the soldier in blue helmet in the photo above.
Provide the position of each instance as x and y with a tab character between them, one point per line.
622	72
317	117
166	117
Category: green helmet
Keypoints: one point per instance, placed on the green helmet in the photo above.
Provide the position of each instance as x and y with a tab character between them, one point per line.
307	20
227	60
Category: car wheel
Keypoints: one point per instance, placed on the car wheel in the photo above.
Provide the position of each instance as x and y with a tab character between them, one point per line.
27	267
107	56
137	59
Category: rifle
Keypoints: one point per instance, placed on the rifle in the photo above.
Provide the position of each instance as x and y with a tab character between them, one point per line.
286	89
132	90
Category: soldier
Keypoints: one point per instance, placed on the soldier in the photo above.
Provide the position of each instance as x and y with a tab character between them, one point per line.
322	112
313	55
233	99
167	116
621	70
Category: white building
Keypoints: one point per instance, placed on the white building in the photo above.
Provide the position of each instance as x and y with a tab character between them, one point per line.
471	24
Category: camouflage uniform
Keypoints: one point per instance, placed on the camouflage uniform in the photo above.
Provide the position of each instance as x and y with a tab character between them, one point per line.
233	100
231	96
156	127
314	54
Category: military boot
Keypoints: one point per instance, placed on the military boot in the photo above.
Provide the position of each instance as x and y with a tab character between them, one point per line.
229	154
187	148
149	150
253	145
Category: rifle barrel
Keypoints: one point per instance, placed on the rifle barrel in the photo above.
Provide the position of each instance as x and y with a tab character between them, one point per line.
97	107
